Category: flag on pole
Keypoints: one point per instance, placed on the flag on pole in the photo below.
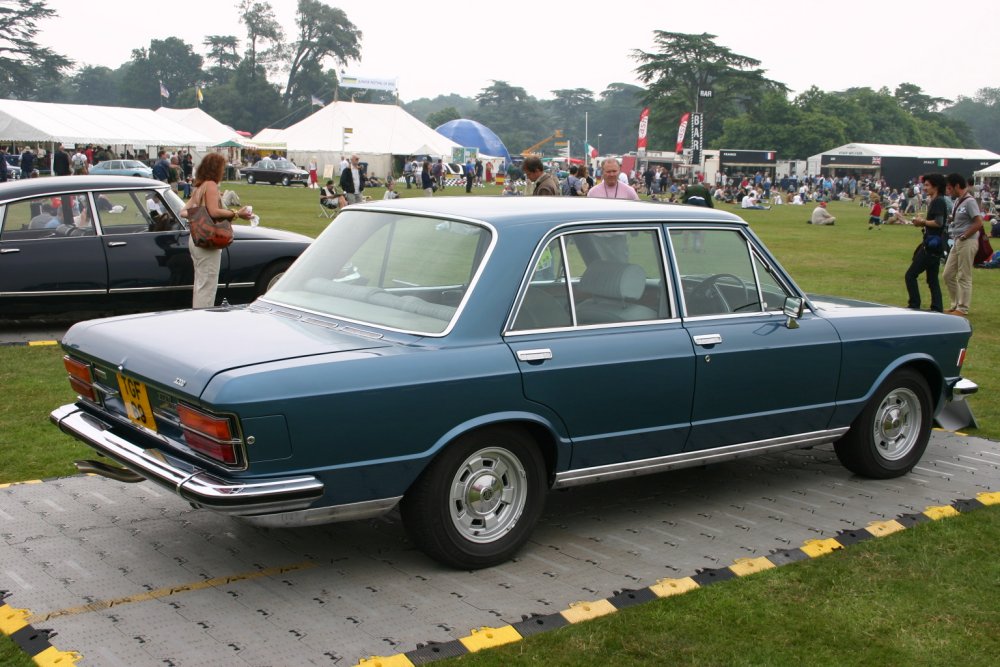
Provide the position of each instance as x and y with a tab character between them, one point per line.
316	102
163	91
201	98
643	127
682	128
591	151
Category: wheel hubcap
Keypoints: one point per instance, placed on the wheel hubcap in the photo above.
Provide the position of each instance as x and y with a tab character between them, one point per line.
897	424
488	494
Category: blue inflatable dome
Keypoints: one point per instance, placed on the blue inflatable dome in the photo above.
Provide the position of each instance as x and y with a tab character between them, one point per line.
469	133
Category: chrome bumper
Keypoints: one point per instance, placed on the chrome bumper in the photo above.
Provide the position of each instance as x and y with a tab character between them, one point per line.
188	481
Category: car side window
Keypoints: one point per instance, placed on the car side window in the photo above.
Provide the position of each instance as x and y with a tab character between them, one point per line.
716	271
47	217
771	288
134	211
603	277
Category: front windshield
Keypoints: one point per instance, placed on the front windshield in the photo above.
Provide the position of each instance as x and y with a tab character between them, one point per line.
402	272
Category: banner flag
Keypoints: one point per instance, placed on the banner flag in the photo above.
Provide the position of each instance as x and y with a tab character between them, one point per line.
681	130
316	102
370	83
591	151
201	98
643	126
163	91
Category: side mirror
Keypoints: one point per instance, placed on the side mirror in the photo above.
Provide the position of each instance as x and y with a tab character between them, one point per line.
793	309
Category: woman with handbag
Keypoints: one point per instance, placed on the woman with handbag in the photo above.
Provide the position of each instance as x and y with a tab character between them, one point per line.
211	229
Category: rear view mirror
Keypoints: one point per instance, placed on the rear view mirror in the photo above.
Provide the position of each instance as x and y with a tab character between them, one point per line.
794	307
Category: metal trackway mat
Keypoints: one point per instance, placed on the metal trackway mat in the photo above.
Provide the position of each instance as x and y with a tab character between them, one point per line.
131	575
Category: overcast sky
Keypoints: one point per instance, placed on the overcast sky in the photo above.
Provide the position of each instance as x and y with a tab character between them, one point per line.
446	47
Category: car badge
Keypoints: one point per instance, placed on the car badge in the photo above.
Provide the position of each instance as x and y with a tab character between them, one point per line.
180	382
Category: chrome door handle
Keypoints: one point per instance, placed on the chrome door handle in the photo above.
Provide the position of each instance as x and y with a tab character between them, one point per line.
115	244
534	355
705	340
9	250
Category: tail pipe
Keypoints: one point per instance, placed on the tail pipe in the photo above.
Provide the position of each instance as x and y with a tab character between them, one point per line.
112	472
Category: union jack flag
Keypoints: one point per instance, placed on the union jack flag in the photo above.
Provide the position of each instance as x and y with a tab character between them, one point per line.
877	160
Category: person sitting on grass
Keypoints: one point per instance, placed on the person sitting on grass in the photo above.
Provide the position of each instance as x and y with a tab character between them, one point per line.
749	201
820	216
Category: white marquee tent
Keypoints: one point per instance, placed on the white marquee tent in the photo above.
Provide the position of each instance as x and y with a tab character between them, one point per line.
47	123
376	133
992	171
206	125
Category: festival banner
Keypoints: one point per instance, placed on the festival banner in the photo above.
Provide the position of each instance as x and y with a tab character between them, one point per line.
643	126
370	83
681	130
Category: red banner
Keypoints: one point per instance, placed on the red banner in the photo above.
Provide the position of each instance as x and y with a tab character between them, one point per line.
680	132
643	126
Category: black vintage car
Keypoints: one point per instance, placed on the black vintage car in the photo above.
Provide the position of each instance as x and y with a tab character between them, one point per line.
275	170
117	244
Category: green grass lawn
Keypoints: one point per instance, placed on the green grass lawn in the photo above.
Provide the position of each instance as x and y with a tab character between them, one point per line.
924	597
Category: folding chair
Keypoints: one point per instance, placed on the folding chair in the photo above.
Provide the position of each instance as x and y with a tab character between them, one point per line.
328	213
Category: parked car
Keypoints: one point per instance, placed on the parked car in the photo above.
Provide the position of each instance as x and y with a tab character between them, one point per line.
121	168
275	171
493	349
117	244
13	166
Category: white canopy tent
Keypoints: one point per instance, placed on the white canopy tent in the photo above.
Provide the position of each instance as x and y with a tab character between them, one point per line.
992	171
47	123
374	132
206	125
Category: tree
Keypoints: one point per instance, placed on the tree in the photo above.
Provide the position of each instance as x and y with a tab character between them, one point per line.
913	99
262	28
616	118
95	85
23	62
169	61
245	102
439	118
981	114
324	32
685	64
222	50
569	108
516	117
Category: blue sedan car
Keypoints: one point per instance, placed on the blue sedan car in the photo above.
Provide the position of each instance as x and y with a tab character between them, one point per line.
488	350
121	168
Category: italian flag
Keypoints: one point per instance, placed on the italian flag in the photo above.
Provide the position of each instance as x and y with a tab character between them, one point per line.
591	151
942	163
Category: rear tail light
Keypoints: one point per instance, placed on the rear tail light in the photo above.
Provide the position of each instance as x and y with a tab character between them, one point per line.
208	434
80	378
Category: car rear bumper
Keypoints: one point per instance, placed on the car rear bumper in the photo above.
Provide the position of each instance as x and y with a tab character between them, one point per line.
194	484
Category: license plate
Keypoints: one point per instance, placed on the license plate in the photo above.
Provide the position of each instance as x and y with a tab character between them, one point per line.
136	401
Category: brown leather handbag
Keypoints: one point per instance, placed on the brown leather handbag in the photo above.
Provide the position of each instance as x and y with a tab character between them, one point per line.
206	232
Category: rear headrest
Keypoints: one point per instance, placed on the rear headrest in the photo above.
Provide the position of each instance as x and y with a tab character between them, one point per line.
614	280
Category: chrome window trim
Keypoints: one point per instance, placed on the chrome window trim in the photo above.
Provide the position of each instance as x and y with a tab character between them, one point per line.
559	231
752	251
473	284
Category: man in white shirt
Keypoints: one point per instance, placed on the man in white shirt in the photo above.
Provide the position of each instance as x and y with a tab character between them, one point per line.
750	201
610	186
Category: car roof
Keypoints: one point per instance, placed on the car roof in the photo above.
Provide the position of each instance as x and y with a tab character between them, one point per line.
52	185
514	210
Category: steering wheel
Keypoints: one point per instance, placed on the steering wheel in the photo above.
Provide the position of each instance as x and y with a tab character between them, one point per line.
709	288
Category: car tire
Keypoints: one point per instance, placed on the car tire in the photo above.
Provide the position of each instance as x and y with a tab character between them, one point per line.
477	503
250	179
270	275
890	435
286	181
